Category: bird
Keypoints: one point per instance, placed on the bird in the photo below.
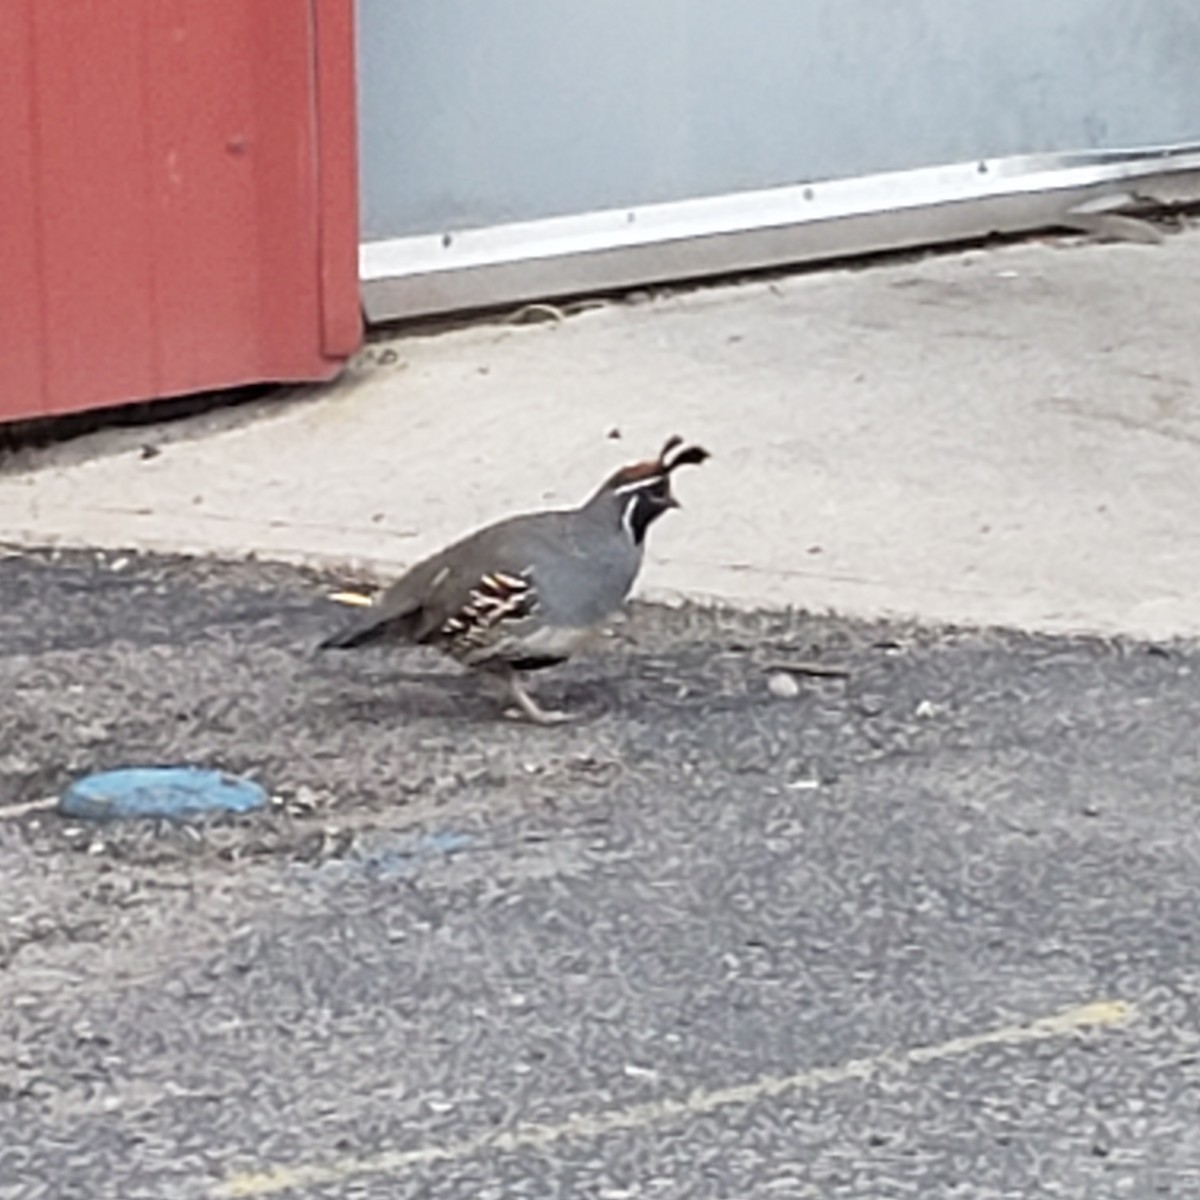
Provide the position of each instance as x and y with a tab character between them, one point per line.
528	591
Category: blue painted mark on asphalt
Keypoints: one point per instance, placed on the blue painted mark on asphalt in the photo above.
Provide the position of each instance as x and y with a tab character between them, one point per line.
170	793
391	857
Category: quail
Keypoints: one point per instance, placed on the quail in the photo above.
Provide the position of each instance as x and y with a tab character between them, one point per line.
528	591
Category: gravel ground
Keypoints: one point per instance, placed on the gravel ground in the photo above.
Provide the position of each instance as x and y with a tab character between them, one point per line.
449	926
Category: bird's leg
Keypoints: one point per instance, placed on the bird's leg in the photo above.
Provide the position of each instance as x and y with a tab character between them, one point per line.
529	706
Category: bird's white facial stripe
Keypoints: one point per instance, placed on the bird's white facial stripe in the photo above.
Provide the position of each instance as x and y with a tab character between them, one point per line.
627	517
638	484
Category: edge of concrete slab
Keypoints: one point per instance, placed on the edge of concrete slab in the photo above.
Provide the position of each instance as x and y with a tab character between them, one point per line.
999	437
370	575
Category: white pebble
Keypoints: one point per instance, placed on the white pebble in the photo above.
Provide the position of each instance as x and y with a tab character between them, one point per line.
782	686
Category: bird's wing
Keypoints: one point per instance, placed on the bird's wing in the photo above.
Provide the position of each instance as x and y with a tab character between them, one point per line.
489	576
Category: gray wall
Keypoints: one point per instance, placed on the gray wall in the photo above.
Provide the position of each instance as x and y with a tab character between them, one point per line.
482	111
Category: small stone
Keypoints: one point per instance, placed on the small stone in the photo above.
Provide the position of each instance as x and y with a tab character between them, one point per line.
636	1072
804	785
782	686
305	799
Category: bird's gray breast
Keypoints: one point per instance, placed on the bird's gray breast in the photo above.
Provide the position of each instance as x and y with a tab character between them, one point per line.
587	576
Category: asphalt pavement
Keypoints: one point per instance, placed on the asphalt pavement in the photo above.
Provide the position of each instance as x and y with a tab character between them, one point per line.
800	906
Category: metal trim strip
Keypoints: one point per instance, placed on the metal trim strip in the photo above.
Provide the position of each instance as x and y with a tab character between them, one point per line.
469	269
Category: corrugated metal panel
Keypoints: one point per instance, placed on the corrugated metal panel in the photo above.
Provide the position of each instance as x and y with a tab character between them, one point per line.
167	234
477	114
337	176
21	309
537	149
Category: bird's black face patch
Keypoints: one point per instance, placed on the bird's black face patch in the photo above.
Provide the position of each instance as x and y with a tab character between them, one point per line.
644	489
644	502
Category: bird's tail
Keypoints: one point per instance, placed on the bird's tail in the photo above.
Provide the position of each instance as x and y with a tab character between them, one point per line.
359	634
394	614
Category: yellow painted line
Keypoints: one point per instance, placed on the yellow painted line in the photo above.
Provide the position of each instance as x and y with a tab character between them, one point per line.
354	599
1102	1015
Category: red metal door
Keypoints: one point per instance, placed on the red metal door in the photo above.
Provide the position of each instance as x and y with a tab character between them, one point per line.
178	198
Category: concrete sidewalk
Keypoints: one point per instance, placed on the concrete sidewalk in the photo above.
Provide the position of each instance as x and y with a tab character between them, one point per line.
999	436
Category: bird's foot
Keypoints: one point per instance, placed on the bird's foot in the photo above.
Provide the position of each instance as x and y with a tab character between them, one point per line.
529	707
